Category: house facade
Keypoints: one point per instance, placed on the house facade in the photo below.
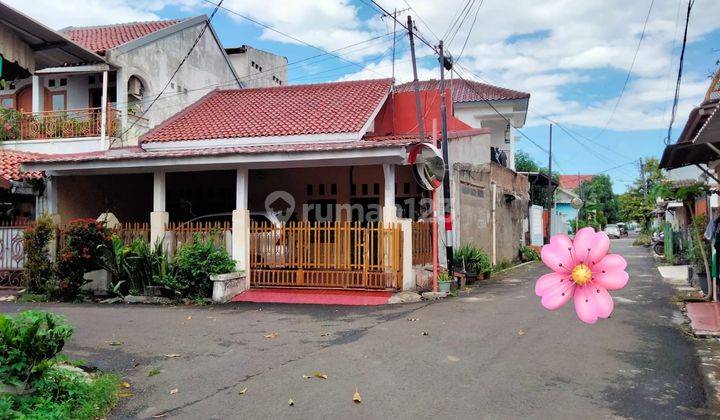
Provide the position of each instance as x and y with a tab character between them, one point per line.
89	89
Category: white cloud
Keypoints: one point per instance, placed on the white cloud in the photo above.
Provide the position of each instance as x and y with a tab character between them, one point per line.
553	48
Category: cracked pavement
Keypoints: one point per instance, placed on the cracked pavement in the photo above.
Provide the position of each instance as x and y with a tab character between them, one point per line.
493	352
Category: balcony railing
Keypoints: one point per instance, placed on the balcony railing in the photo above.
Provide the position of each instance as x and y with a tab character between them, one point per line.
16	125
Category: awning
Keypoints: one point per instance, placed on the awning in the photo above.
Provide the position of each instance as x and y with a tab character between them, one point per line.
686	154
47	47
699	141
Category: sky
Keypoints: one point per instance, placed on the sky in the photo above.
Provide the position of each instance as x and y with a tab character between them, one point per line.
573	57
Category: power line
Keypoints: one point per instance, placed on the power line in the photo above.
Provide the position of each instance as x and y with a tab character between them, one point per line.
680	70
294	38
421	19
629	73
472	26
177	69
461	22
399	22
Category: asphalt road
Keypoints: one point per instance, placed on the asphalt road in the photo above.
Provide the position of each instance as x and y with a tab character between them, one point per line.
491	353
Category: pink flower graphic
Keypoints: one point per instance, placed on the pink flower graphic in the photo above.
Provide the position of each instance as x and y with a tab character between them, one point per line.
582	269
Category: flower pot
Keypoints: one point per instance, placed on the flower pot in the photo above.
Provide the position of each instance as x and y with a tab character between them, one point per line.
444	286
470	277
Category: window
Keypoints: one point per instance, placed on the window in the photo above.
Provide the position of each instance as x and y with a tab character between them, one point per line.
58	101
63	82
51	82
8	103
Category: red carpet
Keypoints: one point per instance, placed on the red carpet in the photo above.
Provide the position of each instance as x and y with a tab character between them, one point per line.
704	317
317	297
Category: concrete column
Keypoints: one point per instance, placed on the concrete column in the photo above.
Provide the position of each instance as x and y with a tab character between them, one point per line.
37	94
122	102
389	209
103	111
241	225
51	197
408	274
159	218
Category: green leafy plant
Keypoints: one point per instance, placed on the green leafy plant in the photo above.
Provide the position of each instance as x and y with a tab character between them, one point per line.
10	122
134	266
193	265
38	266
475	259
642	240
80	253
28	343
444	277
529	253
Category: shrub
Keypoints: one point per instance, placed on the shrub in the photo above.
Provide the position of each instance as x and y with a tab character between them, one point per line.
10	121
38	266
642	240
80	253
193	265
134	266
28	343
529	253
476	260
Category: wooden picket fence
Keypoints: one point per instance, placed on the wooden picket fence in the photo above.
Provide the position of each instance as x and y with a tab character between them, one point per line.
178	234
131	232
422	250
327	255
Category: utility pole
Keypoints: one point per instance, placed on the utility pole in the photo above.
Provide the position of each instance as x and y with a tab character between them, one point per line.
550	189
642	178
446	179
416	84
395	12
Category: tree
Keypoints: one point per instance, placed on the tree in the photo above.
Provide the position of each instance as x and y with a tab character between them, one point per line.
638	203
599	195
524	163
538	191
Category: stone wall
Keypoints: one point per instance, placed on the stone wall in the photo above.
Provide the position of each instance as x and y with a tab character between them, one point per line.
473	198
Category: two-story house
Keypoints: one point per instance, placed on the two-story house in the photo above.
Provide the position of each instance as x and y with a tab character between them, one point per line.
88	89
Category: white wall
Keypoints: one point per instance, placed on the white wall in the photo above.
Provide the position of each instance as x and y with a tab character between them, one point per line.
474	150
258	68
205	69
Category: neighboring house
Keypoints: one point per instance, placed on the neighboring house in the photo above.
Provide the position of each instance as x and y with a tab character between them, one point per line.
478	104
258	68
563	205
87	89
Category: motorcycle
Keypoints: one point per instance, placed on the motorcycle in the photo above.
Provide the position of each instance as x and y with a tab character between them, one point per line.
658	243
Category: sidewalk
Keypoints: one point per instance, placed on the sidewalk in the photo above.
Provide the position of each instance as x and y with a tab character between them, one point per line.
704	318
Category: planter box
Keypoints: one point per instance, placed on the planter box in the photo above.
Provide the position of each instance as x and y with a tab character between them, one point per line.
444	286
226	286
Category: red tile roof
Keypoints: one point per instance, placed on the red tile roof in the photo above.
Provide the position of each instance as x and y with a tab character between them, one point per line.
10	166
326	108
570	182
468	91
103	38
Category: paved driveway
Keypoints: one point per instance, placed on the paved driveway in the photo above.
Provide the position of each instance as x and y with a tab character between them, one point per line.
491	353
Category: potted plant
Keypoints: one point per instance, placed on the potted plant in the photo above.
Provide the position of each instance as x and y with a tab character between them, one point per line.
444	282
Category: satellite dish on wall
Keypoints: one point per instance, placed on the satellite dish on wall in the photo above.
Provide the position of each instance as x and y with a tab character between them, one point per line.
428	165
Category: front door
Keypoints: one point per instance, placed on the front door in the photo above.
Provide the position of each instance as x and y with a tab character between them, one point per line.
24	99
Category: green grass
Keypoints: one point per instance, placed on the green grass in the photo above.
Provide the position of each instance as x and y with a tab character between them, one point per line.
30	297
153	372
68	401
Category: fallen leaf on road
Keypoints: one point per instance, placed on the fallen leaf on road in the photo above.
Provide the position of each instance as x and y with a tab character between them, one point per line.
325	334
171	355
412	319
124	394
242	391
521	332
189	318
173	391
356	397
136	364
271	335
157	416
424	333
116	343
453	359
153	372
125	384
320	375
307	376
291	402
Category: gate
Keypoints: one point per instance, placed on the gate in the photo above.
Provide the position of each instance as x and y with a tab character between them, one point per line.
12	256
326	255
